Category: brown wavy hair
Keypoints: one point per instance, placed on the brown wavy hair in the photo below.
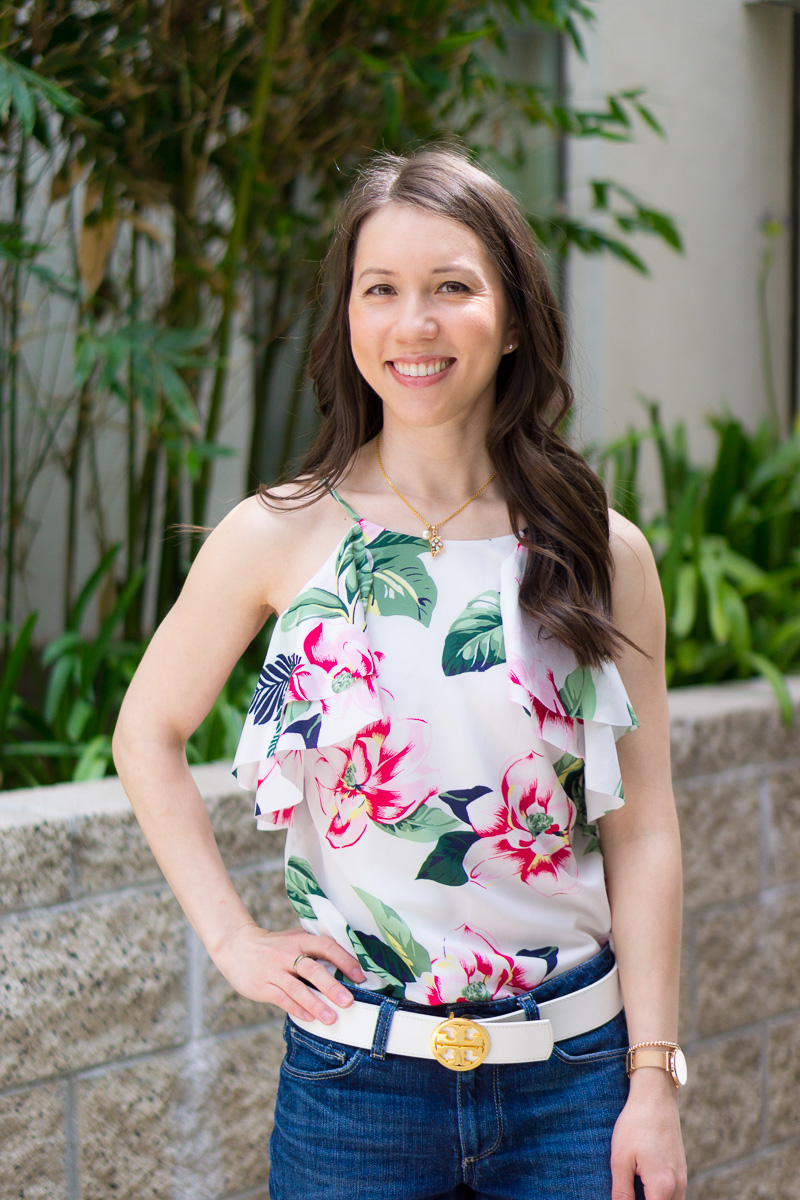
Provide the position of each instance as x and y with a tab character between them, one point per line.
551	492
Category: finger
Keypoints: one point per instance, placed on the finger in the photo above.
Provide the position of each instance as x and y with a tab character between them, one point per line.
622	1187
297	991
318	976
272	994
327	948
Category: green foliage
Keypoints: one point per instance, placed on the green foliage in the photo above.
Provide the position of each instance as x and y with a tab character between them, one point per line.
726	538
58	707
194	157
196	154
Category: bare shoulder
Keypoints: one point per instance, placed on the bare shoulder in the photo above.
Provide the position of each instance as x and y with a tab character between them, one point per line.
638	603
273	546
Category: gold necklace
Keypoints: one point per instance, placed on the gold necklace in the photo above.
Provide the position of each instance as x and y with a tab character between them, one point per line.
431	532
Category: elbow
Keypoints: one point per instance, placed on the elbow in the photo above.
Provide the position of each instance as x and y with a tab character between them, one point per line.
121	749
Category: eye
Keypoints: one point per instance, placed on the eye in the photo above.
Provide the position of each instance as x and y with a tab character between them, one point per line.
380	289
452	287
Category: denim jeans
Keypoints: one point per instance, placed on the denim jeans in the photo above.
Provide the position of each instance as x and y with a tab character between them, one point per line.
356	1124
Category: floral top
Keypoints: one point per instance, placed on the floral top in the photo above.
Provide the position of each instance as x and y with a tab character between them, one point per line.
440	769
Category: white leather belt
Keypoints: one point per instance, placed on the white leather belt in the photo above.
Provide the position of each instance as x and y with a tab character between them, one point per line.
463	1043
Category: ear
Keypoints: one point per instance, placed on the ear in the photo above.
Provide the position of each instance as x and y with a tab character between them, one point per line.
511	336
511	339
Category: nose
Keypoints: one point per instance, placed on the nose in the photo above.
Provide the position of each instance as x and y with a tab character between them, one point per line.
415	321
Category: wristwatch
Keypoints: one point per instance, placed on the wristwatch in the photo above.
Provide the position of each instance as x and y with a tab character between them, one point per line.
666	1055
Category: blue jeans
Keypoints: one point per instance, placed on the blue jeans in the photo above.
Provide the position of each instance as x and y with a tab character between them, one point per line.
359	1125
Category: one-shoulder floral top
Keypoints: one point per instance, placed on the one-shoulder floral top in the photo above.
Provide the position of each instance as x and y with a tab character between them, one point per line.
440	769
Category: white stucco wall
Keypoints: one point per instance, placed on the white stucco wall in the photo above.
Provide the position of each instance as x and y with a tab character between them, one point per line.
718	78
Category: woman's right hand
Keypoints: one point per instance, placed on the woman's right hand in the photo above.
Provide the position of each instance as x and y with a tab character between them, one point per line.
261	966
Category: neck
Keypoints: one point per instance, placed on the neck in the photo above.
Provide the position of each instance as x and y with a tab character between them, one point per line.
445	466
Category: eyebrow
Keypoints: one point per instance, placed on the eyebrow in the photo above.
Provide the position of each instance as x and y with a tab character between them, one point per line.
450	268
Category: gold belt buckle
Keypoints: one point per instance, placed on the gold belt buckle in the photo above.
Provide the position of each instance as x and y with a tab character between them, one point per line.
459	1043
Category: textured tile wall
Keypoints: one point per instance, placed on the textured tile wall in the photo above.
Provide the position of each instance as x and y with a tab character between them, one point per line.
129	1067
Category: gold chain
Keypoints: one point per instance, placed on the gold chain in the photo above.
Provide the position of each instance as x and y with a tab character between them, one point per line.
431	532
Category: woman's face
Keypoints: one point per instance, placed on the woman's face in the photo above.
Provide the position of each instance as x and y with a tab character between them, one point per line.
429	322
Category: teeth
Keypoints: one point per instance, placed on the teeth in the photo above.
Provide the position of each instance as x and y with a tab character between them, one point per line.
417	369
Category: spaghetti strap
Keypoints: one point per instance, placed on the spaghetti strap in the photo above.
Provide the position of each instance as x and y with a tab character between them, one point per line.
343	504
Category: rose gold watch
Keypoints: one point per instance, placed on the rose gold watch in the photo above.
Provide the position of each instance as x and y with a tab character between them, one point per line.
668	1056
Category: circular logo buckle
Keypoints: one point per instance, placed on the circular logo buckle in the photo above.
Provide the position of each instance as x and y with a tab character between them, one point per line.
459	1044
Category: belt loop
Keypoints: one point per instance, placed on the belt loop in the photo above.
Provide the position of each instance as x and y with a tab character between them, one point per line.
529	1006
382	1026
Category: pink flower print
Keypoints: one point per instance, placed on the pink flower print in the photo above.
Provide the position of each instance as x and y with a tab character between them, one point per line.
472	969
539	686
524	831
370	530
335	656
380	777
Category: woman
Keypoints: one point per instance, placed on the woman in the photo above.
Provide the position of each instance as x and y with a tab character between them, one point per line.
460	642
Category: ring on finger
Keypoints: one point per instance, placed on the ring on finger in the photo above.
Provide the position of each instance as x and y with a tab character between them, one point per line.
297	960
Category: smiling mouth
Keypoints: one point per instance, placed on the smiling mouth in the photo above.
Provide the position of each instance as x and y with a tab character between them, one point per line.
415	370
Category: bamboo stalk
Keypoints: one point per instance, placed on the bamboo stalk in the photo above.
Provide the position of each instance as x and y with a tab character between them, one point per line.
230	265
133	613
20	196
264	362
73	473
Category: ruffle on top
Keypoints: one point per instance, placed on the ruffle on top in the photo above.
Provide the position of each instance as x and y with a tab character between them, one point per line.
319	688
580	711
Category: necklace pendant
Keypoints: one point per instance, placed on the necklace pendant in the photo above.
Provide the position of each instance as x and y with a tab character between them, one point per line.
437	545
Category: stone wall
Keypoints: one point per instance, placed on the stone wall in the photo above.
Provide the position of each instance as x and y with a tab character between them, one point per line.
129	1069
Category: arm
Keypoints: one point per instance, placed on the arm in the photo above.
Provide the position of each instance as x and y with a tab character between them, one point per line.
641	852
223	605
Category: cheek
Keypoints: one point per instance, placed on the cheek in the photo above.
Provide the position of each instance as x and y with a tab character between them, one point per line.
365	331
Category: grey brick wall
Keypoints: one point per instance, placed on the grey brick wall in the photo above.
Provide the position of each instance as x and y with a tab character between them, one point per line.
129	1068
736	770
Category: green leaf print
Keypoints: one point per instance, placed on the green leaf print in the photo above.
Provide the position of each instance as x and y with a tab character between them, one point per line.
569	770
579	695
400	584
379	959
300	884
312	605
570	774
397	934
424	825
353	564
475	639
445	863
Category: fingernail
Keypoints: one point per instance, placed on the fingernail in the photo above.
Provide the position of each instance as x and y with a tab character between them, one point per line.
328	1017
359	976
343	997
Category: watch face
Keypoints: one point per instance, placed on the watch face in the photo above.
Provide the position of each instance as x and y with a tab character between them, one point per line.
679	1066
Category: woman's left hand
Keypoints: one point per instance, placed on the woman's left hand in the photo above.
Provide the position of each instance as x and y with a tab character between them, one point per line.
647	1140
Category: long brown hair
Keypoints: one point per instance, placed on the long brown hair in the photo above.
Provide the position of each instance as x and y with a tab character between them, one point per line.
551	492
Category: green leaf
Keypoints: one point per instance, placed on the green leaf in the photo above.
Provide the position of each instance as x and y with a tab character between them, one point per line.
401	586
397	934
475	639
313	604
445	863
570	774
685	610
424	825
94	759
300	884
578	694
353	563
92	585
774	676
13	668
378	958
